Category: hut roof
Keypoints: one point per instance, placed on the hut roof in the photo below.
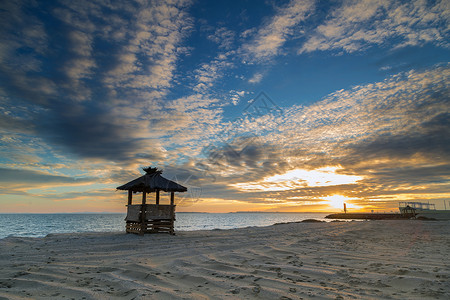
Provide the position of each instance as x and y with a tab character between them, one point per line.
151	182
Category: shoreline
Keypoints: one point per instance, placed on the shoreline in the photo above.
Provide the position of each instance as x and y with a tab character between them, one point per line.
325	220
325	260
41	225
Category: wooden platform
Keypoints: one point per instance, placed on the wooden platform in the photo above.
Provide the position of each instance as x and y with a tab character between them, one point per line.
151	226
150	218
368	216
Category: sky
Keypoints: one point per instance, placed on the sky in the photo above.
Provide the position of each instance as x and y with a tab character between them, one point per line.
288	106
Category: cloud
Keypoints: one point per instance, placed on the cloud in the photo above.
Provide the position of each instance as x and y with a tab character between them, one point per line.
95	86
270	38
223	37
147	54
357	25
235	96
429	138
191	103
207	74
96	133
256	78
10	178
10	123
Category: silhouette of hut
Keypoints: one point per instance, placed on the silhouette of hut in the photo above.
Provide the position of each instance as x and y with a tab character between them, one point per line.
151	218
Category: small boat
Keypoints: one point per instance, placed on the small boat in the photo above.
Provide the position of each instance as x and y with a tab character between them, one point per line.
423	210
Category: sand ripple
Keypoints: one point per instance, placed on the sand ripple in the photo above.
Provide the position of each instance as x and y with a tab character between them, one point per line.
354	260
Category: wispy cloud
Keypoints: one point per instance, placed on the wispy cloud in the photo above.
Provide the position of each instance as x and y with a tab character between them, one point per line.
357	25
207	74
270	38
92	99
148	53
256	78
236	96
223	37
27	179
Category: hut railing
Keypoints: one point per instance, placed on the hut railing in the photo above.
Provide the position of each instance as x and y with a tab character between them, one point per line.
151	212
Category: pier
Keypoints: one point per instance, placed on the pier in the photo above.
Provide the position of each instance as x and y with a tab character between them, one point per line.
368	216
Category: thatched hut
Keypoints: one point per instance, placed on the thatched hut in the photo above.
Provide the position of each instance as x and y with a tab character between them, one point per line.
151	218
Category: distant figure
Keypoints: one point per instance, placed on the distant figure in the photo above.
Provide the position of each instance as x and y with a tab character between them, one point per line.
345	208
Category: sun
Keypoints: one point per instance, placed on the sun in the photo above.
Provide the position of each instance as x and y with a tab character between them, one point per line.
337	201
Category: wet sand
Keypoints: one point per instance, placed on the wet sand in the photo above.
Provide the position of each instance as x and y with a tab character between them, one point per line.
389	259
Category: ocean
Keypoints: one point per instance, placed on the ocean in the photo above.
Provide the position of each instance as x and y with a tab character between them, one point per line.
40	225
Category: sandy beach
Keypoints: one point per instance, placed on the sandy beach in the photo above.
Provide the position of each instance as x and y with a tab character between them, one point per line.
336	260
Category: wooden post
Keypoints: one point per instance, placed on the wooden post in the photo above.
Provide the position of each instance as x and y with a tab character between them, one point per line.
143	221
172	212
157	209
144	197
130	197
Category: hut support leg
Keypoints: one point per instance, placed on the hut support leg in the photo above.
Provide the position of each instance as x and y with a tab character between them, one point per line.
172	213
130	201
130	197
143	221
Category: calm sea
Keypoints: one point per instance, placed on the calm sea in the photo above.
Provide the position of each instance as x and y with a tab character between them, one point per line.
39	225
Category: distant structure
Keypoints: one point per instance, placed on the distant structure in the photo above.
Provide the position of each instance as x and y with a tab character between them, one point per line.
151	218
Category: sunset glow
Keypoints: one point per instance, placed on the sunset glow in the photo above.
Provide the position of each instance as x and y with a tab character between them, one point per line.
337	201
300	178
320	177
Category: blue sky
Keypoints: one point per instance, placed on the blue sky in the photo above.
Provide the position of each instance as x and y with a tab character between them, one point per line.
253	105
